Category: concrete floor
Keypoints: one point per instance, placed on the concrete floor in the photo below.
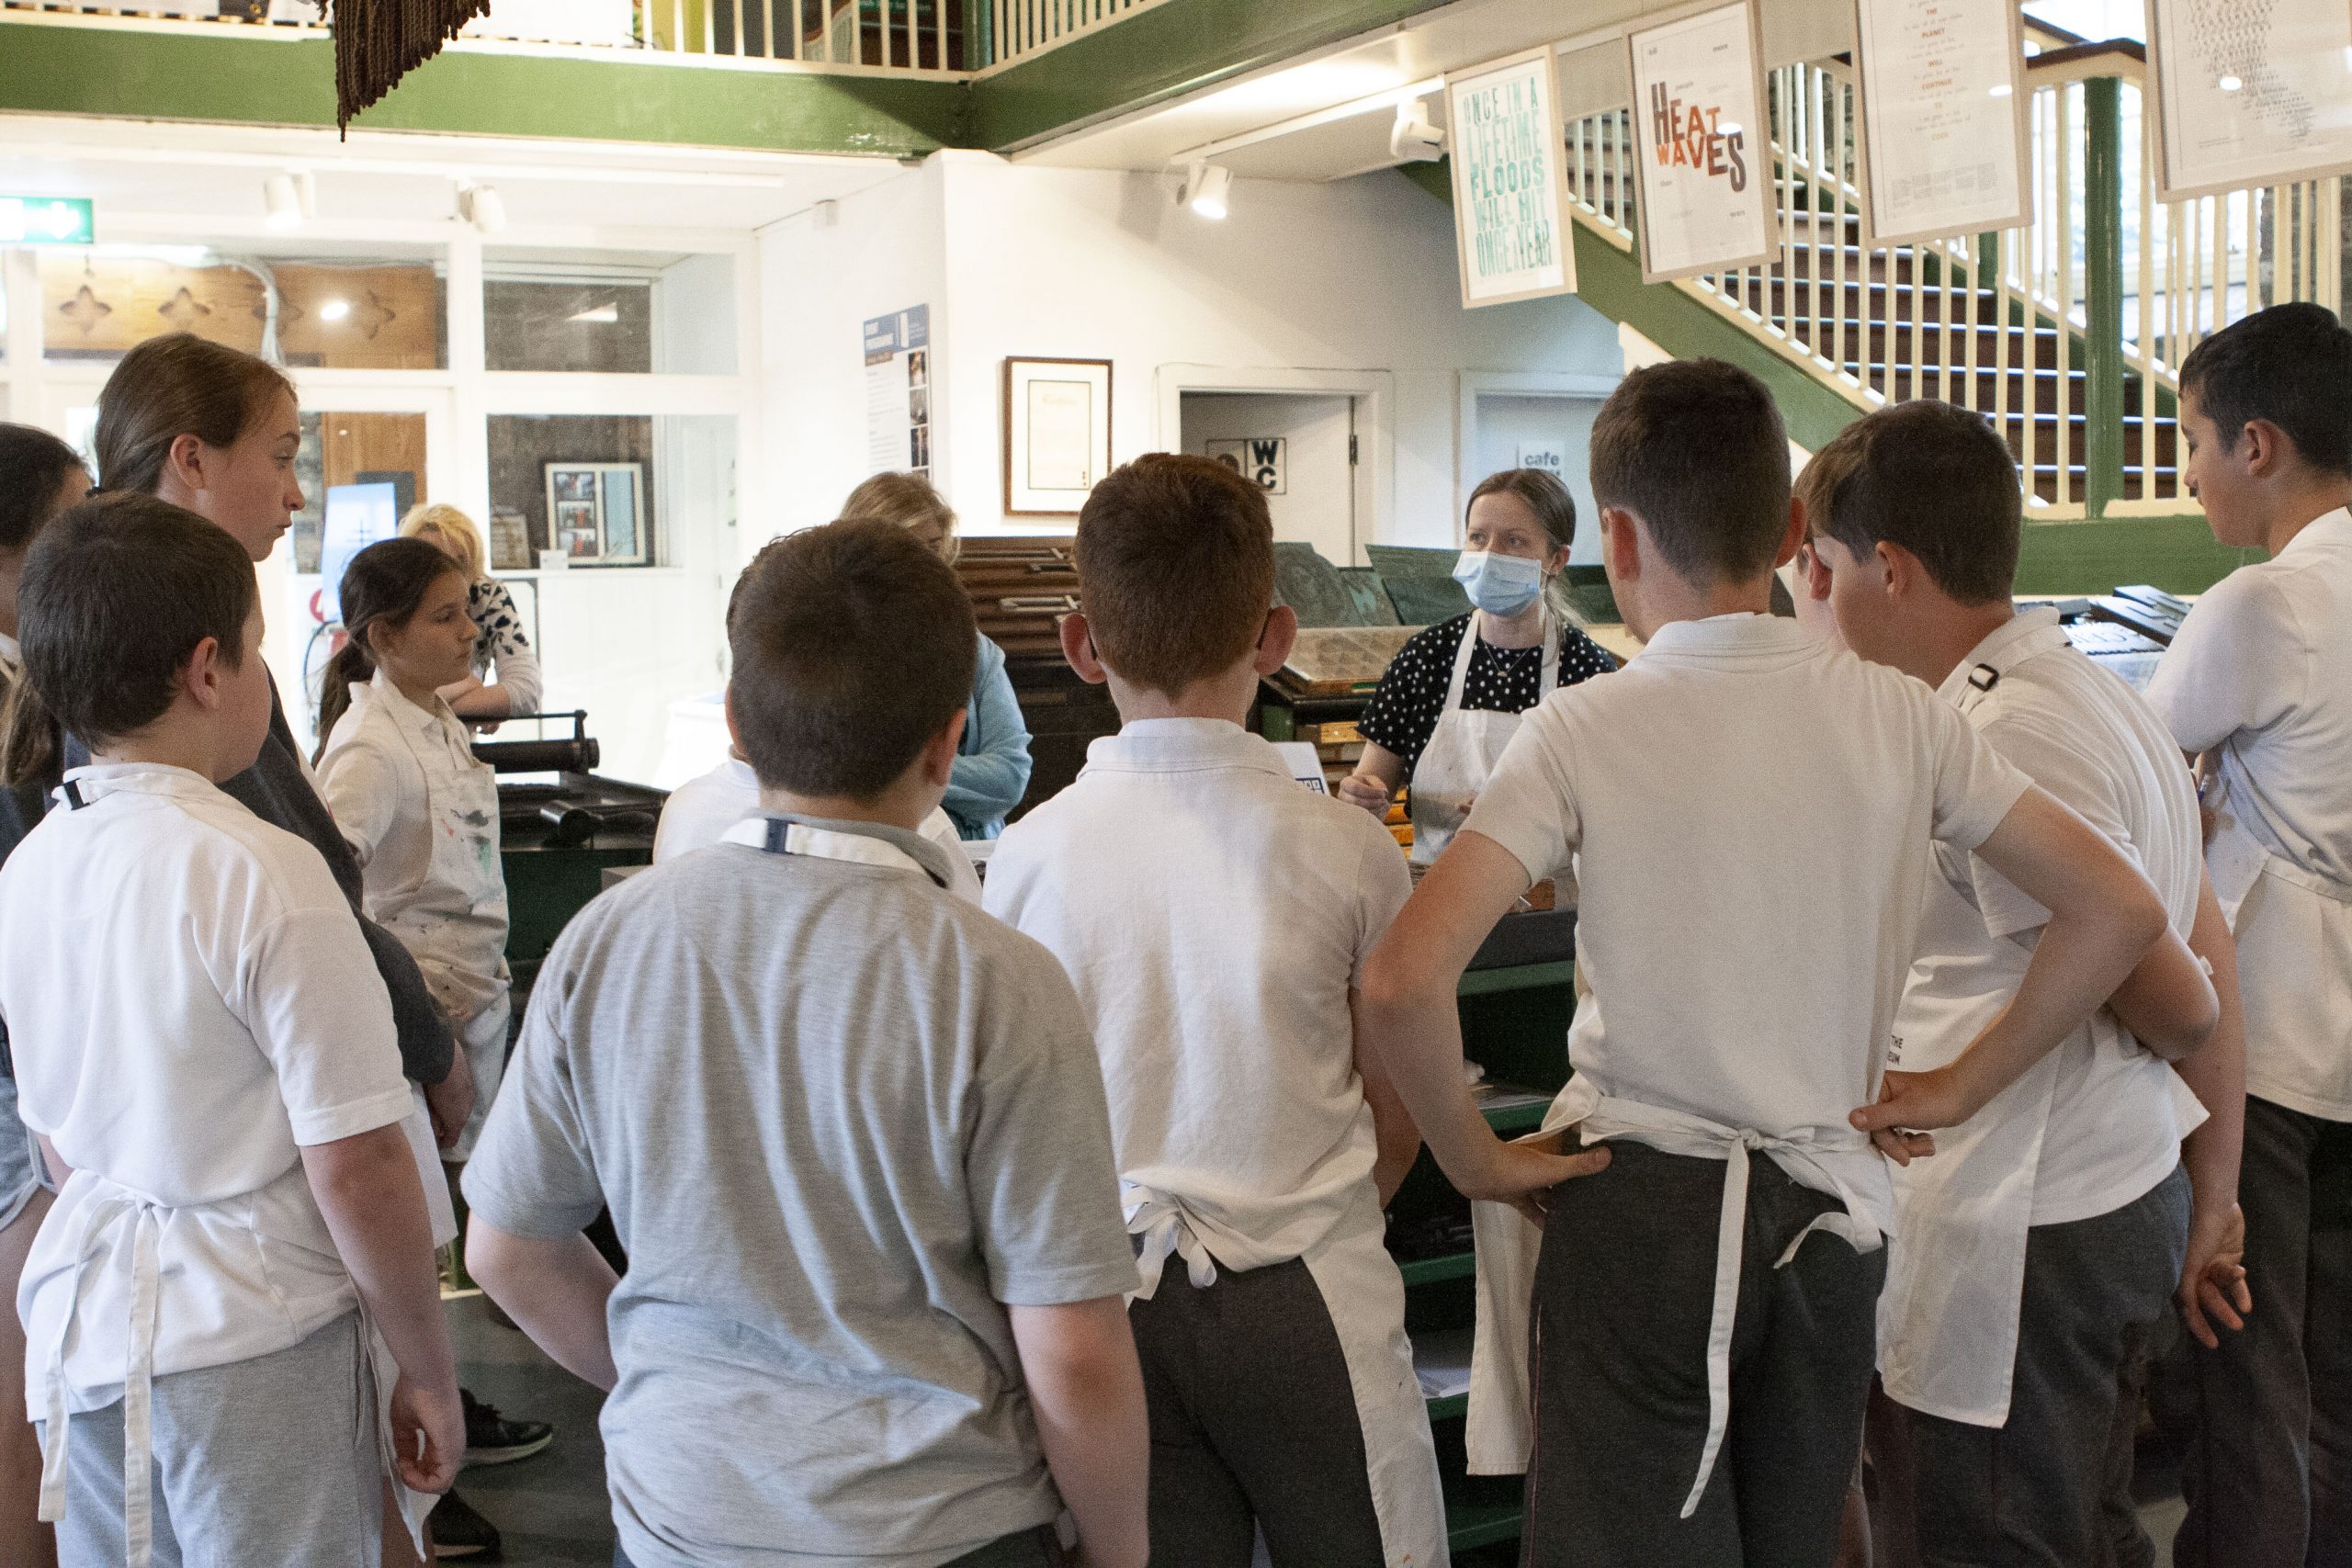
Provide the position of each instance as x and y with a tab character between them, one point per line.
552	1508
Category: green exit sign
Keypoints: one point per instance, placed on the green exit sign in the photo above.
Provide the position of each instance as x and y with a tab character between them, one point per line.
47	221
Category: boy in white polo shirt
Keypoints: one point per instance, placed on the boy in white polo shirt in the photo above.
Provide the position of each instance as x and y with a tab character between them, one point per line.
852	1134
1214	915
2035	1256
2258	686
1748	809
201	1043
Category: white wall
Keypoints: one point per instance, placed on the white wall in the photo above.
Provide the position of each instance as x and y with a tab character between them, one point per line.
1357	275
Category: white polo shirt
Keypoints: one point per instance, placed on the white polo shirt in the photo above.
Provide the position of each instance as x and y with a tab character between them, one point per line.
1750	886
2262	671
699	812
2087	736
190	1004
1214	915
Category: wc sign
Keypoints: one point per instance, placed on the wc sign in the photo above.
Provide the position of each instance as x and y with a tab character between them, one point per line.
1263	460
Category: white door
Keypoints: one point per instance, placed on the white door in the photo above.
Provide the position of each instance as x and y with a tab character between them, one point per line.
1300	446
1525	430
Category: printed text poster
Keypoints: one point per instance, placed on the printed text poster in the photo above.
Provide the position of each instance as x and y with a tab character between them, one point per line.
898	391
1701	144
1510	193
1942	137
2253	92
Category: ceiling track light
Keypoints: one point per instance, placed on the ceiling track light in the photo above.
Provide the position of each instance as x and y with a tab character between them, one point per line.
1413	138
288	201
481	205
1205	189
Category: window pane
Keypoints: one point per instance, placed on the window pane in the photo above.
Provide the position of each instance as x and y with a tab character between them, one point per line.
579	484
605	327
354	449
329	313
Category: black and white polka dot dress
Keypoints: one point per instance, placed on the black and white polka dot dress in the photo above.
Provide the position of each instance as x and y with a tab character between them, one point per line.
1404	712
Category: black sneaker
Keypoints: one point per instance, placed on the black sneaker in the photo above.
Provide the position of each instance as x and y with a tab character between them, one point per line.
458	1531
491	1439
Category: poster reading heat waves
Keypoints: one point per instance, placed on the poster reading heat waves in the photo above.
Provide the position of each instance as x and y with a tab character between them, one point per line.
1701	144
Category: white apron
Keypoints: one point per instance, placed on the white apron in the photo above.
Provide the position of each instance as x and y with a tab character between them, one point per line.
2293	927
1466	745
454	921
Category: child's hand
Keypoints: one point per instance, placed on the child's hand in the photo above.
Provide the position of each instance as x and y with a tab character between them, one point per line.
1911	1103
2212	1280
450	1102
1523	1174
429	1432
1367	790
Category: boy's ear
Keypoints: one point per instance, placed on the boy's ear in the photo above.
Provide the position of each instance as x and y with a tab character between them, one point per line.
2265	447
200	677
1794	536
1903	574
1078	647
939	753
1621	544
1276	641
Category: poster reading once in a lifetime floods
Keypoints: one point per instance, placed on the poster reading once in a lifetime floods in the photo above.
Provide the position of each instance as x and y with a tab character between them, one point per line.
1509	194
1701	144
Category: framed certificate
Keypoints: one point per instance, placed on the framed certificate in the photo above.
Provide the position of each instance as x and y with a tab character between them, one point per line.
1944	141
1057	433
1702	143
2249	95
1510	191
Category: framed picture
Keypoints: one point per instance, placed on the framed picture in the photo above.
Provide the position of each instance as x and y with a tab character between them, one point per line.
1703	156
2249	95
1944	106
596	513
1057	433
1510	191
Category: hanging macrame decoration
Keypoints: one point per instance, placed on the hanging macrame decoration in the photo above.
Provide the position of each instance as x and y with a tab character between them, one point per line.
377	42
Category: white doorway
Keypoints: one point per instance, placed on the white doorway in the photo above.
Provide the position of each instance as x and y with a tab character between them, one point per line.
1533	421
1302	448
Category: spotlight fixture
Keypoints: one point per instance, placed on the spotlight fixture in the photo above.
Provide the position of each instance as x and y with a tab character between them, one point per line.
481	206
1204	190
1413	140
287	200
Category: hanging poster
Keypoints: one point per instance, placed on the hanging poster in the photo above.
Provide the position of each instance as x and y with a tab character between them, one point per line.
2249	95
1700	143
1943	104
897	392
1511	192
1057	433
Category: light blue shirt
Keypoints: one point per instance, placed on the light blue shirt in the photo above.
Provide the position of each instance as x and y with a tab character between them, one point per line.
992	765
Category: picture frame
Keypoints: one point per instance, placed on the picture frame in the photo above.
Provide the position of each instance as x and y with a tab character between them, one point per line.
1492	231
1884	113
596	513
2210	136
1057	433
1682	42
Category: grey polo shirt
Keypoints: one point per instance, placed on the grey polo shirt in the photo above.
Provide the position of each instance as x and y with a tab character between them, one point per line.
840	1115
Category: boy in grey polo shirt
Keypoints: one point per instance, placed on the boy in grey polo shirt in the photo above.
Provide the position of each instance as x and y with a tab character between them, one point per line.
851	1133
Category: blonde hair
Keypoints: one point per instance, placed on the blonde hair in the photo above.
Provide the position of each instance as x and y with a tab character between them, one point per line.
908	500
453	531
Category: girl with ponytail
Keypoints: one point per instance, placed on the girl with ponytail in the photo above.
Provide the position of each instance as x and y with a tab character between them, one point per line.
418	812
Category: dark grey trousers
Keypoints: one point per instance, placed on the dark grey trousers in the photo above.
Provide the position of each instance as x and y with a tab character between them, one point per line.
1038	1548
1625	1293
2029	1493
1253	1423
2263	1425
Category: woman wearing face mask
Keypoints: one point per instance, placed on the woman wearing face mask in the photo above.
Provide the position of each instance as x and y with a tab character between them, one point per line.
1451	698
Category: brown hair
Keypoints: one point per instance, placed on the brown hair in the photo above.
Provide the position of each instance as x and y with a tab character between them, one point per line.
1175	569
1555	509
33	466
853	646
384	584
117	594
172	386
1695	448
1935	479
909	500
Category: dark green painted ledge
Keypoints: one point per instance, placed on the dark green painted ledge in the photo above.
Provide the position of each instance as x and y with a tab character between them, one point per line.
244	76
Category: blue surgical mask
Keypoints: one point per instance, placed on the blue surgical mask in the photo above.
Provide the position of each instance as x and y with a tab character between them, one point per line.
1500	585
